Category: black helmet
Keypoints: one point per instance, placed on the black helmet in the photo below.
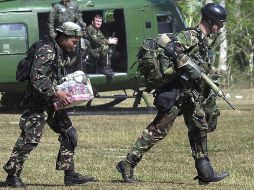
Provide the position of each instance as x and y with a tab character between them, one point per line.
214	12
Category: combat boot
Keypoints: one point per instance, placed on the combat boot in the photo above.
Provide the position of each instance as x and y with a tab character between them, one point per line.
127	171
206	174
14	182
73	178
109	71
104	70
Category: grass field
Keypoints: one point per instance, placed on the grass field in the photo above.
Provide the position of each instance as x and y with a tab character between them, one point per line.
106	139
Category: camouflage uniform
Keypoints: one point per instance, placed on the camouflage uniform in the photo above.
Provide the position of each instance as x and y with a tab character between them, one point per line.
98	44
61	13
45	74
177	98
185	96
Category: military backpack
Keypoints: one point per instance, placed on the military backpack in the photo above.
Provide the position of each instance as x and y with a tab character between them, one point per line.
154	65
25	64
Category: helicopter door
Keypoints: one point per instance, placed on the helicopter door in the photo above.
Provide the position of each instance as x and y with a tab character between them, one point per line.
17	30
139	26
148	20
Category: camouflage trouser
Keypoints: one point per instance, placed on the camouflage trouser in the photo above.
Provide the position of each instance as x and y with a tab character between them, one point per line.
212	113
31	124
195	120
100	54
159	128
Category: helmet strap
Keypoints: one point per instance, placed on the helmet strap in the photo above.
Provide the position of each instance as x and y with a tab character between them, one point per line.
207	24
210	24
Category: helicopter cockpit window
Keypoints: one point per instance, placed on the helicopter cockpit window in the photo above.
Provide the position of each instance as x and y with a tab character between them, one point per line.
165	24
13	38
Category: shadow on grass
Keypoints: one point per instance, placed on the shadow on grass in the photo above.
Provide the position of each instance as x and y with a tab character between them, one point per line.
57	185
44	185
2	184
147	182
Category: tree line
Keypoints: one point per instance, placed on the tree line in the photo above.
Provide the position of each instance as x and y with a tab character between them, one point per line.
234	51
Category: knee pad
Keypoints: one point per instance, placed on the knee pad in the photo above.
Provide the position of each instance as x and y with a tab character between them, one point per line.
211	118
69	138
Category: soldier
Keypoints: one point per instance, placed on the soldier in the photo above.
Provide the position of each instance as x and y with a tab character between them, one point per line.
49	63
99	46
64	11
184	95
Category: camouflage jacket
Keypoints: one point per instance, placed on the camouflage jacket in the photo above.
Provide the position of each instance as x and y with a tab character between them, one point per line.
194	46
63	13
189	50
47	70
95	37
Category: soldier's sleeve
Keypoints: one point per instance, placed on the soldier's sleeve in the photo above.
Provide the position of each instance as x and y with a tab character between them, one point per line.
41	71
79	17
101	38
179	49
51	22
183	42
95	37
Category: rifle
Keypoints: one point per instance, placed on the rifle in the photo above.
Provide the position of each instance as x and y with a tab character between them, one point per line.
213	86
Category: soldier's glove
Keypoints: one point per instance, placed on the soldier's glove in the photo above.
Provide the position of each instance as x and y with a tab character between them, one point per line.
215	77
192	70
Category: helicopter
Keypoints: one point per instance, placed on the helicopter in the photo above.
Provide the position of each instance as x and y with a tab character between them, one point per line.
22	22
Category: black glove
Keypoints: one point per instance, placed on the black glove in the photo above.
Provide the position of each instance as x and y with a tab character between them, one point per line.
192	70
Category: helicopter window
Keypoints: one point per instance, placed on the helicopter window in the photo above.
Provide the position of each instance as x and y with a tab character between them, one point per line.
165	24
13	38
148	25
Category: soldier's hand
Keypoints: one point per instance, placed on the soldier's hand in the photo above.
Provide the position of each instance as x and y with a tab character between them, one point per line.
112	40
193	72
62	97
53	35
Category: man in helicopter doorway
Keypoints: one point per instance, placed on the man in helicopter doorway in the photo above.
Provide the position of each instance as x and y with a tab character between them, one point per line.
100	46
184	95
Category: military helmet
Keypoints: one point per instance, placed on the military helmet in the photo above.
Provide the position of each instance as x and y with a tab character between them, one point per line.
70	29
214	12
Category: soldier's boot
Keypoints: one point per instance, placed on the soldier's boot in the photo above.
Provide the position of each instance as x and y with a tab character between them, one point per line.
127	170
205	171
104	68
14	182
73	178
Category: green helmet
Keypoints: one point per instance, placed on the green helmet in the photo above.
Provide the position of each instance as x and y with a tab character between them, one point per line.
70	29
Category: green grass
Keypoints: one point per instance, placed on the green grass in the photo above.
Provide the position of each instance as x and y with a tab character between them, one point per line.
104	140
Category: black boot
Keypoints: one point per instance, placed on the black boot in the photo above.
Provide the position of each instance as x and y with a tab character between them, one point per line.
109	71
104	70
14	181
73	178
127	171
206	174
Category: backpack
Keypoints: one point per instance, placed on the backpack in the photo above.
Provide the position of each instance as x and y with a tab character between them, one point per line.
25	64
154	65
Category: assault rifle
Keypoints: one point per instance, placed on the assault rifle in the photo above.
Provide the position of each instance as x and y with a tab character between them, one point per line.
213	86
